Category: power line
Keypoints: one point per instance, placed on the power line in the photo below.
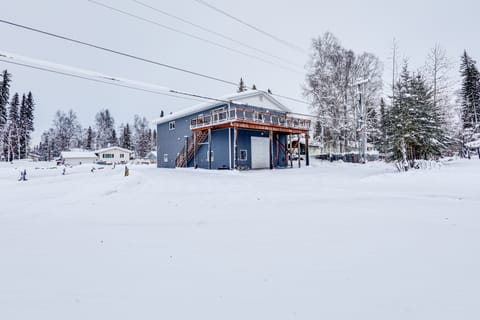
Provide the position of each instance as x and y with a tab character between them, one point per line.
117	52
97	80
221	35
131	56
288	44
110	80
192	36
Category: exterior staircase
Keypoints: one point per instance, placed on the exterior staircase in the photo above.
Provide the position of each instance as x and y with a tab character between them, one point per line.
181	161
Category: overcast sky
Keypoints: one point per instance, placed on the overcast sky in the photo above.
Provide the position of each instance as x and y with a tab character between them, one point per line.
360	25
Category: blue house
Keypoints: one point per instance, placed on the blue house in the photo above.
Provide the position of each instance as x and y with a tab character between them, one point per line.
248	130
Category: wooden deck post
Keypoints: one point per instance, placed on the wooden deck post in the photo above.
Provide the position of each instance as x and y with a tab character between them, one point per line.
277	153
298	150
235	147
209	148
290	147
270	137
195	165
307	153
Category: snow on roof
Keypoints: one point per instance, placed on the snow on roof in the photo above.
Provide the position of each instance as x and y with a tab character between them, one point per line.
77	154
234	98
112	148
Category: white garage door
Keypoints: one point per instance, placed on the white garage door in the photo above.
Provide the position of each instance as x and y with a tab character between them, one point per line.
260	153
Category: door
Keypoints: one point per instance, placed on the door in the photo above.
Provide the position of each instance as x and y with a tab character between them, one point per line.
260	153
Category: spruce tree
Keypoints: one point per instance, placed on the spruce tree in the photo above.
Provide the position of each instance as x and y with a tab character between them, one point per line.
12	134
22	128
4	98
415	127
154	138
126	139
470	93
89	140
28	120
113	138
241	86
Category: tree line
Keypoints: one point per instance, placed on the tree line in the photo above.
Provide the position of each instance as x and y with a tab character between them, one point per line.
16	121
421	118
67	133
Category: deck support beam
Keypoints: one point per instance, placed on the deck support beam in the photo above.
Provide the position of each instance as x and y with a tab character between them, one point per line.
230	148
195	165
298	150
235	147
290	149
277	151
270	138
307	153
209	148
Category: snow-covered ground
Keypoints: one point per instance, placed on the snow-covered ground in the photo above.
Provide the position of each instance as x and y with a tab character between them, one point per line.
332	241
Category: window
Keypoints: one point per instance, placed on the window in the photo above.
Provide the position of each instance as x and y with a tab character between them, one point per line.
122	155
211	152
107	156
218	114
258	116
243	155
171	125
165	157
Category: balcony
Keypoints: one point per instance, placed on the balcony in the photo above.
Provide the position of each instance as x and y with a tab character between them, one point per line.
245	117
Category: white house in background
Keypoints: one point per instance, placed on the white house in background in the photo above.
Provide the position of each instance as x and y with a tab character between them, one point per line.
114	155
77	157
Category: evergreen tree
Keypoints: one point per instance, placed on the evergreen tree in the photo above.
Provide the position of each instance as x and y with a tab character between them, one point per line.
470	93
89	140
22	130
12	134
373	126
154	138
415	126
127	138
4	97
25	124
28	121
254	87
241	86
113	139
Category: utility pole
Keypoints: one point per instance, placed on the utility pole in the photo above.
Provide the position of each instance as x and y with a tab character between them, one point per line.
363	117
